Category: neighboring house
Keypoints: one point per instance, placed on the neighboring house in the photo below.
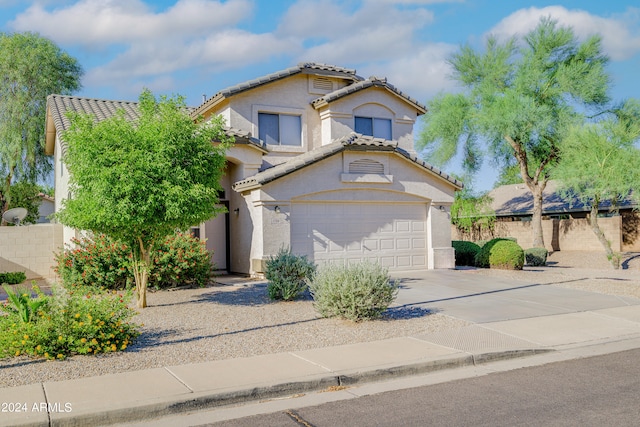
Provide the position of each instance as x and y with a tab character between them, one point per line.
323	163
620	223
46	208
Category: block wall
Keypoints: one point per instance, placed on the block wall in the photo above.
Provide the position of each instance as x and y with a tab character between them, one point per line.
32	247
565	234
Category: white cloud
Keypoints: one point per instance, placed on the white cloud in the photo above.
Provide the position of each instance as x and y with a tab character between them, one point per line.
620	33
193	35
91	22
374	32
220	51
422	74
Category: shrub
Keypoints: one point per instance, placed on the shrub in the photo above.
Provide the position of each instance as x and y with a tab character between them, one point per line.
99	262
69	323
536	256
357	292
20	303
465	252
180	259
501	253
104	262
13	277
287	274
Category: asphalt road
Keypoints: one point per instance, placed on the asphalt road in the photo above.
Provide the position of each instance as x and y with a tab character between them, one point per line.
596	391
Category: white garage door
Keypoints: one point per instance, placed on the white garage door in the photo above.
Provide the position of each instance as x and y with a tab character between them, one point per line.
392	234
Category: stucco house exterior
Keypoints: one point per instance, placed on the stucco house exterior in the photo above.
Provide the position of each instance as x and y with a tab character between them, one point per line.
323	163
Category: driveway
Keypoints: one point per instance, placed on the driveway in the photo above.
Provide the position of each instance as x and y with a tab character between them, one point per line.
477	298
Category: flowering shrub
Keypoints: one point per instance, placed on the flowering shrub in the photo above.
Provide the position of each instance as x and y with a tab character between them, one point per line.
20	303
69	323
180	259
100	261
105	263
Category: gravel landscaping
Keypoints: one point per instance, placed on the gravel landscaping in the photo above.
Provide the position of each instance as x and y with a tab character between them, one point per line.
237	319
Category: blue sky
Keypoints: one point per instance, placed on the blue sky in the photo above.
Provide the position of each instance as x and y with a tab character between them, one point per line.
196	47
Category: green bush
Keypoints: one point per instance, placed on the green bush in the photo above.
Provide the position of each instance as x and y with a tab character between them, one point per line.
13	277
181	259
20	303
105	263
501	253
536	256
465	252
68	323
357	292
96	262
287	274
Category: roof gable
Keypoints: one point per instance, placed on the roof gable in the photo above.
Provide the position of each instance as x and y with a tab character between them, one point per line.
353	141
301	68
364	84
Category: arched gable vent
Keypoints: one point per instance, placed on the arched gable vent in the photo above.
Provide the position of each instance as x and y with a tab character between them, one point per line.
366	166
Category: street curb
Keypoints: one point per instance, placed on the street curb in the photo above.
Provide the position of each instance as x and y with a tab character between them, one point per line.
208	400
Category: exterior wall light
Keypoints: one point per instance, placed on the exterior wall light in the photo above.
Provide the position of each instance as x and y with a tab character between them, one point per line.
277	209
236	211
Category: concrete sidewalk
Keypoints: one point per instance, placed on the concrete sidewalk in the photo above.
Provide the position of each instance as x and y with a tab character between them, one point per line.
571	319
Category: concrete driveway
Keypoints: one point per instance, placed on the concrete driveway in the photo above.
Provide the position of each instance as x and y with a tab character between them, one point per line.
478	298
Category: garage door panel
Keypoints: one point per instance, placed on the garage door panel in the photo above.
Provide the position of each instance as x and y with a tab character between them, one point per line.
370	245
392	234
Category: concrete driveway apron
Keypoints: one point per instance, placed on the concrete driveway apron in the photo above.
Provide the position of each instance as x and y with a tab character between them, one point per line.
480	298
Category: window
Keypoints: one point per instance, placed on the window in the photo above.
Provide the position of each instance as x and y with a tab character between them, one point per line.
280	129
379	128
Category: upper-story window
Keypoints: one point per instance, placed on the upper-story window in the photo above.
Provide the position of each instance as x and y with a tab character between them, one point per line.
372	126
280	129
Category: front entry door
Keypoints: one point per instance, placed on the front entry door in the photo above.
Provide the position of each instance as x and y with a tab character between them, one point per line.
217	235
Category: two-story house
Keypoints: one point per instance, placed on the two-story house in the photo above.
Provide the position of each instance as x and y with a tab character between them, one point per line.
323	163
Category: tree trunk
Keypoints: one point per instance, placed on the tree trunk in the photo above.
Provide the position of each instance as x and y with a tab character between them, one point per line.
595	227
141	265
536	218
536	184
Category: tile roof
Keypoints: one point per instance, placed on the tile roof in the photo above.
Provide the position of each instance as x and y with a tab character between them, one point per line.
303	67
516	199
59	105
353	141
363	84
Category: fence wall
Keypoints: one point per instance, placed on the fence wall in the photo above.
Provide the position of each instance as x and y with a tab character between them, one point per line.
559	234
32	247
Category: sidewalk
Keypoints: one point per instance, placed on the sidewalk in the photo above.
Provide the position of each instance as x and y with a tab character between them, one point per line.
509	319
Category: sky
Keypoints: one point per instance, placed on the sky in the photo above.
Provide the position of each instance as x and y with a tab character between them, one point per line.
198	47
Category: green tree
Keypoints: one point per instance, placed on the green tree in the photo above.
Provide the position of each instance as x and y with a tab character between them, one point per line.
472	215
518	103
31	67
26	195
139	182
600	163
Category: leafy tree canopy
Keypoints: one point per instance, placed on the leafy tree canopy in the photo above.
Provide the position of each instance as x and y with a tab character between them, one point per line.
27	195
600	162
519	101
32	67
140	181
